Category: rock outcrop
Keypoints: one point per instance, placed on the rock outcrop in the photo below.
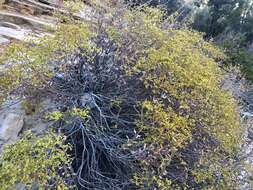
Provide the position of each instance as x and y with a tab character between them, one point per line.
11	123
20	18
14	119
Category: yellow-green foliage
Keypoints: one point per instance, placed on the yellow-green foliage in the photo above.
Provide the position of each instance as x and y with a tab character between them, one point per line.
150	180
56	115
181	71
173	128
73	6
222	168
26	64
75	112
34	160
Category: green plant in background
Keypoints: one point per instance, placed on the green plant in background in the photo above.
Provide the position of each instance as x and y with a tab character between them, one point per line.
35	160
225	21
238	55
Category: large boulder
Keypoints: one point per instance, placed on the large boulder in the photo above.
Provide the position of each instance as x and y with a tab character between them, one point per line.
11	123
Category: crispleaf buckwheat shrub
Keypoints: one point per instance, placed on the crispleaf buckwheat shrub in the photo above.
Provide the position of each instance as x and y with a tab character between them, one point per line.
188	127
40	161
140	102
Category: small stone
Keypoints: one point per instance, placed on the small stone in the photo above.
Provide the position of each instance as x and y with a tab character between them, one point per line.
250	134
87	101
20	186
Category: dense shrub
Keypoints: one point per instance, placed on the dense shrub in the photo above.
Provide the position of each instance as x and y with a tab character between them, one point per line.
185	116
140	102
35	161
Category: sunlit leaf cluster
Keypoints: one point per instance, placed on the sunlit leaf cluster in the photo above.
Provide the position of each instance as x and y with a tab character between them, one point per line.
34	161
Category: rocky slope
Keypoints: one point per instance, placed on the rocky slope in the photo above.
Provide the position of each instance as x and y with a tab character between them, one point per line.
20	18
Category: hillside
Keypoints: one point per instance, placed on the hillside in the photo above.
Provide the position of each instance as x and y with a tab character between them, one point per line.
111	95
